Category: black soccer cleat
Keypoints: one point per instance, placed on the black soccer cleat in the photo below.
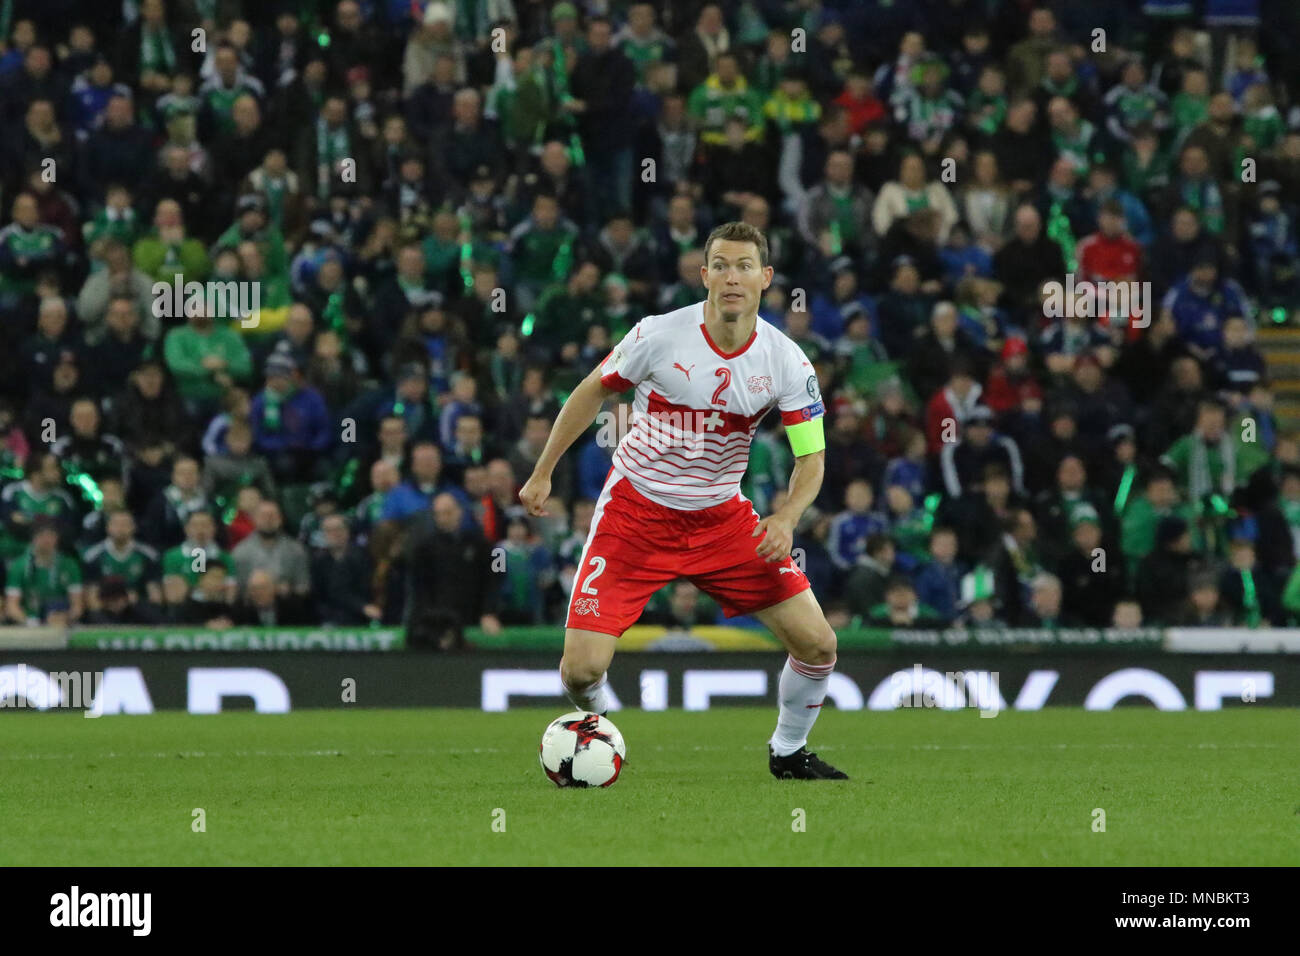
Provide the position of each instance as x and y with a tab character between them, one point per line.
802	765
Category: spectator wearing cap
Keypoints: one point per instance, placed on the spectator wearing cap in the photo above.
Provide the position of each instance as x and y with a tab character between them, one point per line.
433	39
43	585
962	462
904	308
1093	580
834	308
1012	386
291	425
1273	248
252	224
117	151
411	399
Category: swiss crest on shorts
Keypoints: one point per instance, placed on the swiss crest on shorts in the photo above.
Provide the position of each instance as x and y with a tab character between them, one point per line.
586	605
758	384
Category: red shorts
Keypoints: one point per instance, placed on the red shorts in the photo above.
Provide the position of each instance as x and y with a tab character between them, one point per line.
635	547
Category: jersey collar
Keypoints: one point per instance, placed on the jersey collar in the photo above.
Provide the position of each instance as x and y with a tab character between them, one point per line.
704	330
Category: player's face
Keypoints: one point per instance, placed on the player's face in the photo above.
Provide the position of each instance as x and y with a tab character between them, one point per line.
735	278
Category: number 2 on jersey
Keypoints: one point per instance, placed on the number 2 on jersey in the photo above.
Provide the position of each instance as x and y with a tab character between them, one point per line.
723	373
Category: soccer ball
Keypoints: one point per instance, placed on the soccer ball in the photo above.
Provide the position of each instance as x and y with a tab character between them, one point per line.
582	750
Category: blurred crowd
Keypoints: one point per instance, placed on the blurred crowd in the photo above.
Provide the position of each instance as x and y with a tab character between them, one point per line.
449	211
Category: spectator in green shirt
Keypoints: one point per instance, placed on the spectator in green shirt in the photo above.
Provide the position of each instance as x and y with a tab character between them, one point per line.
726	94
39	495
43	586
1212	459
206	359
1142	516
121	556
541	249
190	558
167	251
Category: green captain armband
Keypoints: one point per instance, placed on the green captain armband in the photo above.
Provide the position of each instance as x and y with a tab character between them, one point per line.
806	437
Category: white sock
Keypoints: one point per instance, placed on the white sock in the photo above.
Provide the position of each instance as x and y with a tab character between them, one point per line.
802	690
593	699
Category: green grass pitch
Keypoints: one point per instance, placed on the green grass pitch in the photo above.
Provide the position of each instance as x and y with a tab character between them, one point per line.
423	787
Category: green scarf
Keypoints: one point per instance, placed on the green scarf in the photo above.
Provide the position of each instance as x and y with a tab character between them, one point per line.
331	147
156	52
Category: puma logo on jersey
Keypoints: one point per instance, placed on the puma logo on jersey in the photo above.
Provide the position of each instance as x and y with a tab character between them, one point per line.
685	371
788	570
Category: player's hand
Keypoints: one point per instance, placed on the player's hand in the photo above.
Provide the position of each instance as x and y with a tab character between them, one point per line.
534	493
778	538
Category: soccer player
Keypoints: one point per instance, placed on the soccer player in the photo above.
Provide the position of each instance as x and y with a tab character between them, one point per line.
705	375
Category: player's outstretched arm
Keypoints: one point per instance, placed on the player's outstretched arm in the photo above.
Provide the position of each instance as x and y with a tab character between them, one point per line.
805	484
575	417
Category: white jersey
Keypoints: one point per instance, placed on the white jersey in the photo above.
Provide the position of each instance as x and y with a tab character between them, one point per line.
697	407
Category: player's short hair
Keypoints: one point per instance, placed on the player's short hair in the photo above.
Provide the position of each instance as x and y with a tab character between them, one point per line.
738	232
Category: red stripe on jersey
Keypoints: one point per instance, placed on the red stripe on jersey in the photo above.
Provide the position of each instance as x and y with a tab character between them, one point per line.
731	422
687	461
729	355
630	459
724	493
